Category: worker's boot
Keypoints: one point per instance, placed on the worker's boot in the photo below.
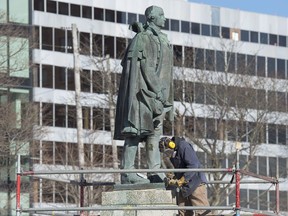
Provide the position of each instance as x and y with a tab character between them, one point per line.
133	178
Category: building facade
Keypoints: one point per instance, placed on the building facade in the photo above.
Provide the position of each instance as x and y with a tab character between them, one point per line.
222	58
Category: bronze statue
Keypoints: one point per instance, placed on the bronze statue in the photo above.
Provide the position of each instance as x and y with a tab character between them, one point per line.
145	95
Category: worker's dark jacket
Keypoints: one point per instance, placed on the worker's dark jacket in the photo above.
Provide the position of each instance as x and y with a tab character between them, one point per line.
186	157
147	70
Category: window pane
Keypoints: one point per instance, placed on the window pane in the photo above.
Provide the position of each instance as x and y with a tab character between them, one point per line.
195	28
189	92
281	69
282	41
109	15
244	35
231	62
282	134
97	45
63	8
263	38
72	123
51	6
261	62
39	5
199	93
177	50
241	63
59	40
70	79
210	60
85	81
215	31
47	111
225	32
97	82
47	38
167	25
47	76
199	58
121	17
109	46
174	25
60	115
86	12
251	65
205	29
220	55
271	133
254	37
86	117
271	67
185	27
178	88
75	10
132	18
84	43
281	101
189	58
120	47
272	39
59	78
98	13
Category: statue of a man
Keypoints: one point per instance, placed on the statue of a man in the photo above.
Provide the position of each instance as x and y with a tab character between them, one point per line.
145	95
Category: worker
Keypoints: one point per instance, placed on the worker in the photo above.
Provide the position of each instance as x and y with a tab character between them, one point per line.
192	184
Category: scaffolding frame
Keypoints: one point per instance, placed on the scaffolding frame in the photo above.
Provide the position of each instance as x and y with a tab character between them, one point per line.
235	170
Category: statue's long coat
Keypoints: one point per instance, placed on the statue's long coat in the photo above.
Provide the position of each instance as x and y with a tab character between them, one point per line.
146	72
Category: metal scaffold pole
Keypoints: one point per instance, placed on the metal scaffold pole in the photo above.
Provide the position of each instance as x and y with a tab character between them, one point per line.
18	186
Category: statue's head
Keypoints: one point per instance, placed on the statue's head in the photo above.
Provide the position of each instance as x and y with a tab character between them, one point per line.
155	14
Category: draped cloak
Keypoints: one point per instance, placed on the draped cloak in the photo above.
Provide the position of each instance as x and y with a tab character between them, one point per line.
146	75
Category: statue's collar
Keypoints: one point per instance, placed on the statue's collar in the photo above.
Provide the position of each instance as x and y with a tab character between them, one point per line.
154	29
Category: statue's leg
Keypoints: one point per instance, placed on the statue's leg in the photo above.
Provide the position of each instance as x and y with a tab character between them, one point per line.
153	152
128	162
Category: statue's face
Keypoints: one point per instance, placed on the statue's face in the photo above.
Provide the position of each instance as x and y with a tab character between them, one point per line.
159	18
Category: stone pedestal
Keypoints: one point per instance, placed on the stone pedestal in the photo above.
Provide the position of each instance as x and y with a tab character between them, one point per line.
140	197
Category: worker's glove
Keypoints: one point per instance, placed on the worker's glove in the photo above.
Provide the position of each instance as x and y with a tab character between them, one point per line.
181	181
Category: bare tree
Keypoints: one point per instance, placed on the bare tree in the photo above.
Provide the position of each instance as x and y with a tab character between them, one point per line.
222	101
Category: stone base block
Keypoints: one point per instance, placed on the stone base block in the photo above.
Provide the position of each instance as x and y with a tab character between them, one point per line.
147	197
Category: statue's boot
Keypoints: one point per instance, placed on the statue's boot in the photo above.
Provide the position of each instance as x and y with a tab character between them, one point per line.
128	160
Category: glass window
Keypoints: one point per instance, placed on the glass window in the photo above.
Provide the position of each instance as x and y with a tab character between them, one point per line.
220	61
231	62
281	69
121	17
60	78
109	46
271	133
271	67
251	65
72	123
60	157
69	42
18	11
188	58
47	38
47	151
282	134
98	117
84	43
241	63
120	47
225	32
60	115
86	12
261	62
244	35
178	89
47	76
109	15
59	40
189	92
85	81
215	31
86	118
199	58
97	45
177	50
205	29
132	18
263	38
75	10
254	37
195	28
51	6
272	39
199	93
47	114
272	102
185	26
282	41
63	8
210	60
142	18
97	81
98	13
281	101
167	25
39	5
70	79
174	25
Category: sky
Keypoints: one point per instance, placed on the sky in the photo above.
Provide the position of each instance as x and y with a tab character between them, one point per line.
272	7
